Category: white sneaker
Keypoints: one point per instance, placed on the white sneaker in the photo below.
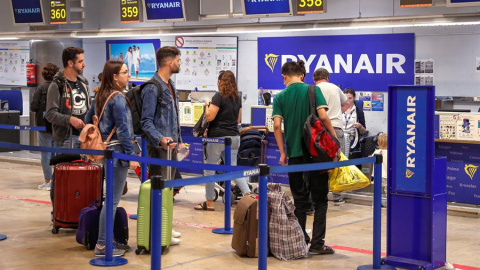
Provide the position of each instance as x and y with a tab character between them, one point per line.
45	186
174	241
176	234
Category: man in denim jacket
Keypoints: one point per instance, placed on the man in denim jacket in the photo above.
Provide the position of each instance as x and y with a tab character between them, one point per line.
160	122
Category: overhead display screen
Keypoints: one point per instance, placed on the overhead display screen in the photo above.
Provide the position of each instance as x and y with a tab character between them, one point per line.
310	6
27	11
464	3
164	10
129	11
415	3
58	12
256	8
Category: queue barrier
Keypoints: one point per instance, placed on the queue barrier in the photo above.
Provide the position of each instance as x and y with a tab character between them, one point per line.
232	172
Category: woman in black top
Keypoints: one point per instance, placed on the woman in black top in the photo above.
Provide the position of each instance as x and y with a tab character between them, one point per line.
39	105
354	121
224	114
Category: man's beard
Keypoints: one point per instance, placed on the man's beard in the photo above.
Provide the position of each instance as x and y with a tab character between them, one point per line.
175	71
79	71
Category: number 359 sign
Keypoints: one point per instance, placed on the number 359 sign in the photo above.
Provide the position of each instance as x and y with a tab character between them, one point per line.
310	6
129	11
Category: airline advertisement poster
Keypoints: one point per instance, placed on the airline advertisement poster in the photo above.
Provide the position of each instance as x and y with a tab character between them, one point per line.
202	59
410	140
463	182
363	62
14	56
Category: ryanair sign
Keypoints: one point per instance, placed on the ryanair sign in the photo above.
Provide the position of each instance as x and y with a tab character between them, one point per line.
410	140
364	62
164	10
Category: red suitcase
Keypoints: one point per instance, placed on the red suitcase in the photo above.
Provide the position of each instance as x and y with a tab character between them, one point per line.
76	185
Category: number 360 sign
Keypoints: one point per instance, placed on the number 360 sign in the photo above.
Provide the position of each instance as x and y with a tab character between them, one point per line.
309	6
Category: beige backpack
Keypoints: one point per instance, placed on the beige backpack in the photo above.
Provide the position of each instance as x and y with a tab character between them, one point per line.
91	137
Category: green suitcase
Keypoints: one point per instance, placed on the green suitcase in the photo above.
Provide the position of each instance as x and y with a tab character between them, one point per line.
143	218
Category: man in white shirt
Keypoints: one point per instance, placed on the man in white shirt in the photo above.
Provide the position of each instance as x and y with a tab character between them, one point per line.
336	101
136	59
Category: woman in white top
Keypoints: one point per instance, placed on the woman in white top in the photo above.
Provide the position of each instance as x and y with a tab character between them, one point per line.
353	122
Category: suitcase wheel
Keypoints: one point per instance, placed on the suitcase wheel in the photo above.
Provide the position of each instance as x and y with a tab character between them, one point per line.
139	250
55	229
164	249
216	195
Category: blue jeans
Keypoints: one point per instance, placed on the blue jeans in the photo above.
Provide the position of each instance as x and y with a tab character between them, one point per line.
214	152
119	179
45	140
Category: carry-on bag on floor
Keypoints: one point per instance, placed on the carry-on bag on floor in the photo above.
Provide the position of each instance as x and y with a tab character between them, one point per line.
144	218
245	227
77	184
88	226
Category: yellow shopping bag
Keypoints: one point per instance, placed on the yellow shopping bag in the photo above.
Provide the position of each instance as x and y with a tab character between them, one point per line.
347	178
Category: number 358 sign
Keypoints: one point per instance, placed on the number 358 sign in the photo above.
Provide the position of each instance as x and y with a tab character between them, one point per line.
310	6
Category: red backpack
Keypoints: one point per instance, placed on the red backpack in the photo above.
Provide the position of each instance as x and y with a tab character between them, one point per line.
318	142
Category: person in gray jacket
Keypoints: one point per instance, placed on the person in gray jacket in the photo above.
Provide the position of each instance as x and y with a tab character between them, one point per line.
68	99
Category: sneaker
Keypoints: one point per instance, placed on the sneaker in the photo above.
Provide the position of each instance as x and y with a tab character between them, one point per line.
174	241
100	252
121	246
44	186
338	202
176	234
323	251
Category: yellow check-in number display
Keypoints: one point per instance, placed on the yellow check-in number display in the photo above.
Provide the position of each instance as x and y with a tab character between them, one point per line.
310	6
129	11
58	12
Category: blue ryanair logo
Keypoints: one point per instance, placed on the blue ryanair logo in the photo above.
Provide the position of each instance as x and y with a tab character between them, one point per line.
27	10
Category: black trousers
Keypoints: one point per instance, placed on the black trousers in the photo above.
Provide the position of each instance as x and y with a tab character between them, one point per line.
302	185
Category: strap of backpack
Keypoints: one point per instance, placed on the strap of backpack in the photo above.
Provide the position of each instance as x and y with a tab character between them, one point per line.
101	114
311	98
160	90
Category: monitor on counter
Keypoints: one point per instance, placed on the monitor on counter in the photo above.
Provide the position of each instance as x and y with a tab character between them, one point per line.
463	3
27	11
256	8
164	10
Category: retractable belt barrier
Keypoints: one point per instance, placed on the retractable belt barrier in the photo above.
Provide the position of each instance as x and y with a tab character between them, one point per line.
232	172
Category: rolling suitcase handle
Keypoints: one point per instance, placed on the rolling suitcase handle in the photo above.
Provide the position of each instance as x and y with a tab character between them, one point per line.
169	157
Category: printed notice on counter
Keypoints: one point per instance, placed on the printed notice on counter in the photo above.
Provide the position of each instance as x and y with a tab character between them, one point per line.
202	60
378	101
14	56
366	99
424	72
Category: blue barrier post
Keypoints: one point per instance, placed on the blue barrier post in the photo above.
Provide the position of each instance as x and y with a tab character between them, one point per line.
227	195
377	218
2	237
109	260
156	216
262	217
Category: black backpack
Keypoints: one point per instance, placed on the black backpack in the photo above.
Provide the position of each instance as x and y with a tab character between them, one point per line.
135	98
318	142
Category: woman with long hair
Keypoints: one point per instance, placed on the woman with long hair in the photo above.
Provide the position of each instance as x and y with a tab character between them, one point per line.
39	105
116	120
224	114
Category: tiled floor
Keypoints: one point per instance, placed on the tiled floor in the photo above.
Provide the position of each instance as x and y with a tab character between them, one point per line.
25	219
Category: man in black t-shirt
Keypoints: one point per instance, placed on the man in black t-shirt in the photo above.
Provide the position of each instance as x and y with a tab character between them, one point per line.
68	99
